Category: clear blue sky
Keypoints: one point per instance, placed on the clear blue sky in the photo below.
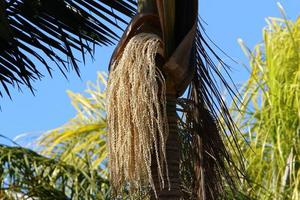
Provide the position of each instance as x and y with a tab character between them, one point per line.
50	108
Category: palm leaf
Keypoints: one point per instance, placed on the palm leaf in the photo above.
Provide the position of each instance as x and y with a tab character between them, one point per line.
35	32
269	117
83	137
81	143
24	173
207	164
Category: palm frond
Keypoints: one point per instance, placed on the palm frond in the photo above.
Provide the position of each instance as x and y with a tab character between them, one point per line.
26	174
83	138
269	113
206	124
207	165
34	32
75	162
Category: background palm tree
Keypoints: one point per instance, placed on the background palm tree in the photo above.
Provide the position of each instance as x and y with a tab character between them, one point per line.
269	113
71	160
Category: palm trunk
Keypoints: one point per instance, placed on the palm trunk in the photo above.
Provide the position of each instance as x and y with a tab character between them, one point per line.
173	157
172	145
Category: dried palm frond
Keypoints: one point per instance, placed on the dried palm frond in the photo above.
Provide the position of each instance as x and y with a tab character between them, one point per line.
207	167
211	170
136	115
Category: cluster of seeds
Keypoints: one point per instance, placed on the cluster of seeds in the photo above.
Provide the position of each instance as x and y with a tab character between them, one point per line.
136	114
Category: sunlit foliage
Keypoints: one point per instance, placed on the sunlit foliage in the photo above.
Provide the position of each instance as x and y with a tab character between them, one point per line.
72	159
270	113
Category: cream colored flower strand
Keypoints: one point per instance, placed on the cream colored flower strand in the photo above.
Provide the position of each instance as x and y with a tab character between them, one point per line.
136	114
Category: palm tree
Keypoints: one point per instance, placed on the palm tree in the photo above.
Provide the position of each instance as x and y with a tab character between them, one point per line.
161	55
26	174
269	113
71	160
75	154
163	51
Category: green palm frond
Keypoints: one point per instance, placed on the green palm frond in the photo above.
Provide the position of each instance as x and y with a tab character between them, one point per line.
24	173
269	117
72	159
83	138
34	32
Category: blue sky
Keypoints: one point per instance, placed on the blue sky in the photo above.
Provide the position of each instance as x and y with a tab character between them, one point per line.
226	21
